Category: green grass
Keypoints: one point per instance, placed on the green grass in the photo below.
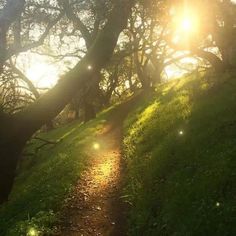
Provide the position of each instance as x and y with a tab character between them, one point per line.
183	184
44	181
176	184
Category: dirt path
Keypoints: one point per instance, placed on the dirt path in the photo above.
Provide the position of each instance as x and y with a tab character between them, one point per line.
95	207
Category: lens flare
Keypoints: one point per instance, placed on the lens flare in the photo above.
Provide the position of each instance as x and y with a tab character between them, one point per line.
181	132
90	67
187	24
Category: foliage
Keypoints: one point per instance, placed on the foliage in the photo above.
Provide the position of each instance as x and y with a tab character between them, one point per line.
182	183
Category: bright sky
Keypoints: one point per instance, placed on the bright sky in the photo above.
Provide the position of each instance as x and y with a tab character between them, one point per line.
173	71
39	69
45	74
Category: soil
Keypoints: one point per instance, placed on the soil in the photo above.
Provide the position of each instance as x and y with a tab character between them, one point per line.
95	206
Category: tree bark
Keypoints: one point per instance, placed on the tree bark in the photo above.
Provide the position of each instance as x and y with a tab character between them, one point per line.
17	129
143	77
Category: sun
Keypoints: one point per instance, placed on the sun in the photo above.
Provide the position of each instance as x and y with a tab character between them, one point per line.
185	20
186	24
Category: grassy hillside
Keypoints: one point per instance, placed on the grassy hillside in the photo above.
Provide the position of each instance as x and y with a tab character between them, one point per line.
180	150
179	147
44	180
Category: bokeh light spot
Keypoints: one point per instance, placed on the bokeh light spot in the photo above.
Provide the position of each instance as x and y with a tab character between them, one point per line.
32	232
96	146
181	132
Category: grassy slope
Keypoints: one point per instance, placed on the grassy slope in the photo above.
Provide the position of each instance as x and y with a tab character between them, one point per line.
44	181
183	184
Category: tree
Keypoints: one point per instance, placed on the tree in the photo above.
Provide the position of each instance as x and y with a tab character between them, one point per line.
16	129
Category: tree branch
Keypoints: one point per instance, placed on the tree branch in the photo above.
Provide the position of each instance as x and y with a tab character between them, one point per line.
51	103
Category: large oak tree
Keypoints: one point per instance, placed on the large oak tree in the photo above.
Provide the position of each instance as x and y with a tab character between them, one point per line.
16	130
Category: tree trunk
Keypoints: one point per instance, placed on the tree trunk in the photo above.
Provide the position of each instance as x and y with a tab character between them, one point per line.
89	112
143	77
215	61
12	142
16	130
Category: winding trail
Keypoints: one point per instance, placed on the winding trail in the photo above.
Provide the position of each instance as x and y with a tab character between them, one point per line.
95	207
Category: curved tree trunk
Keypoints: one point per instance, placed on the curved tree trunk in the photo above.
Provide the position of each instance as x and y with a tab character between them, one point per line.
16	130
215	61
49	125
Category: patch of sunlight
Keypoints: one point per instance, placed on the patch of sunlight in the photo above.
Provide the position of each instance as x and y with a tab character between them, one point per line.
102	175
149	111
106	169
145	117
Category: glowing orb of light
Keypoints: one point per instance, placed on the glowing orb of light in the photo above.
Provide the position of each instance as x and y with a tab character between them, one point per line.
96	146
32	232
90	67
181	132
217	204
